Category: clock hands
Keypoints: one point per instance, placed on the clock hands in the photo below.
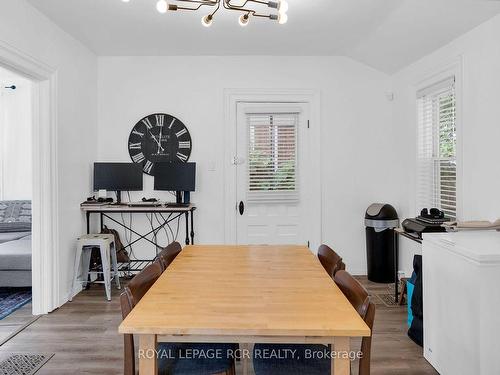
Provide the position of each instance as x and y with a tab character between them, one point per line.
158	141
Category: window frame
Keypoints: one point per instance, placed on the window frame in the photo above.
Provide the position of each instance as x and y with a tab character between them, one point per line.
452	69
292	196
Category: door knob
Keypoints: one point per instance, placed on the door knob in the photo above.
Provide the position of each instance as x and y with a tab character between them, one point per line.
242	208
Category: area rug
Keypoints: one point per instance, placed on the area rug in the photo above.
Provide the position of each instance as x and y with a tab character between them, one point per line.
387	300
12	299
23	364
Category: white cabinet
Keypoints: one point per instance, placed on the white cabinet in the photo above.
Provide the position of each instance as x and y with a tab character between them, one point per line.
461	280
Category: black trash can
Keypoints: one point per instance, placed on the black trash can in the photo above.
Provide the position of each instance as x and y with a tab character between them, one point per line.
380	220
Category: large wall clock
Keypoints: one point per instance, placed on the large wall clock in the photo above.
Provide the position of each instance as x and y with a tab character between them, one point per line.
159	138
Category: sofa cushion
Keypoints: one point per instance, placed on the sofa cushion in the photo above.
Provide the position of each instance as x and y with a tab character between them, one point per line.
16	255
15	216
12	236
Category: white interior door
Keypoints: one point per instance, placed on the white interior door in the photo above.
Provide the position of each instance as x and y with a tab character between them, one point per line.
272	173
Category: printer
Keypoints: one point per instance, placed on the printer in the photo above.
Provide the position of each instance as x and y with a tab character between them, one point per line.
429	221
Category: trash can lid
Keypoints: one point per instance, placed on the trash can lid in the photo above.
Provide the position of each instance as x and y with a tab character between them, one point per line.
381	211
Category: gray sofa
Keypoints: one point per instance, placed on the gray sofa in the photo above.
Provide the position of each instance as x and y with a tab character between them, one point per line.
15	243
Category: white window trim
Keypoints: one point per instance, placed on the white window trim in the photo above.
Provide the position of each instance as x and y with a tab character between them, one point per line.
453	68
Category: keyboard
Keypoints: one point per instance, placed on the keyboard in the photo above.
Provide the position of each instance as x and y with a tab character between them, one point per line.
174	205
145	204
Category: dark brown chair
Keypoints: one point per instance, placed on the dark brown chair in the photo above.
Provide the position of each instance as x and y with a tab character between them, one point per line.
133	293
330	260
168	254
360	300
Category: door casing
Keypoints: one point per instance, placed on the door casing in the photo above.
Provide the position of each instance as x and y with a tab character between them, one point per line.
231	99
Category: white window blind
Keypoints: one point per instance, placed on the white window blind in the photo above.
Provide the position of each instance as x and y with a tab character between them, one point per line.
437	138
272	157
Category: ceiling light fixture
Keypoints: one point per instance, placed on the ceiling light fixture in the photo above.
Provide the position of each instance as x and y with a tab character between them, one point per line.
244	6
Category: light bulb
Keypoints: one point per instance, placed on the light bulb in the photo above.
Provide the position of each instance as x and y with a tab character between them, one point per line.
125	1
283	6
282	18
162	6
244	18
207	21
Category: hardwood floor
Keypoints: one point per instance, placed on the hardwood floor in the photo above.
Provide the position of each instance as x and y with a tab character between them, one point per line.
13	322
83	335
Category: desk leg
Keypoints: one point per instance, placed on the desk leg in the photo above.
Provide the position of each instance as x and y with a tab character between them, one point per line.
148	364
102	222
87	215
341	365
192	227
187	227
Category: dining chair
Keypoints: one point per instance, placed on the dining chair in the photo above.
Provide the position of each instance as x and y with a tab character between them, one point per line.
169	253
320	364
133	293
330	260
360	299
169	362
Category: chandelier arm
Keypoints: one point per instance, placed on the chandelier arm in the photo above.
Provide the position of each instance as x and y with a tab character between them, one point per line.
228	6
200	4
216	9
244	10
247	1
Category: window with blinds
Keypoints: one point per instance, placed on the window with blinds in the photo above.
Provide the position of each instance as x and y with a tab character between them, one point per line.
272	157
437	139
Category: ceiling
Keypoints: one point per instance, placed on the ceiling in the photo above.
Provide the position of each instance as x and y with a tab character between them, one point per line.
385	34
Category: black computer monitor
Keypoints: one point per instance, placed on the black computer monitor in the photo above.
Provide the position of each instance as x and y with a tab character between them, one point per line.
118	177
178	177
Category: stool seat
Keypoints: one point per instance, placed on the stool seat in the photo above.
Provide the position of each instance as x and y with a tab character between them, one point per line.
106	245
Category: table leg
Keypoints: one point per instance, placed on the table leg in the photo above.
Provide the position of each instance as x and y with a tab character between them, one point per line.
245	361
148	364
102	222
187	227
87	214
341	365
192	227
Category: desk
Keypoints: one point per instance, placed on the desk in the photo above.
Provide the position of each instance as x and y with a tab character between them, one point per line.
410	236
245	295
173	213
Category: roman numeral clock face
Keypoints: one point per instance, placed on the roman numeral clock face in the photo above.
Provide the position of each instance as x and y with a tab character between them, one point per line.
159	138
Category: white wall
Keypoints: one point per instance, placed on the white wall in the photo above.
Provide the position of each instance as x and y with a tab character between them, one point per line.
15	137
29	31
479	53
357	147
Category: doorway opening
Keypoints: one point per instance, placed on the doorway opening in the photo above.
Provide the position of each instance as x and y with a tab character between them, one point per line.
45	269
16	193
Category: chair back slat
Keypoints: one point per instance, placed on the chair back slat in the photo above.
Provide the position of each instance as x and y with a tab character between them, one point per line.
133	293
168	254
330	260
360	299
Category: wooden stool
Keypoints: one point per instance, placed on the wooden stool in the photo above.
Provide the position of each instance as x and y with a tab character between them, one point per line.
106	245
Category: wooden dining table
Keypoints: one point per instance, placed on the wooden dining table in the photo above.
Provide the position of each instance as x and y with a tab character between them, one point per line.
245	295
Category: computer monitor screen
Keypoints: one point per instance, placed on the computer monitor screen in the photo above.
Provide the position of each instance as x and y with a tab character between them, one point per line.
175	176
118	176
